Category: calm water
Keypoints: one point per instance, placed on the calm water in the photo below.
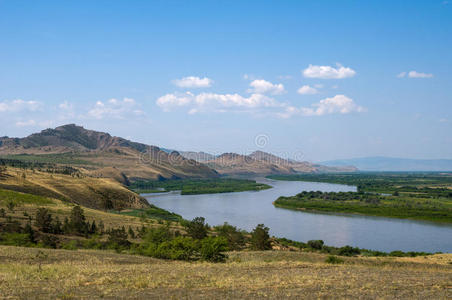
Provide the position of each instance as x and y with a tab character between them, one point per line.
247	209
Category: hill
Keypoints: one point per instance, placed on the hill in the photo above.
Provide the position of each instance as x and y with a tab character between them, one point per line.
102	154
393	164
263	163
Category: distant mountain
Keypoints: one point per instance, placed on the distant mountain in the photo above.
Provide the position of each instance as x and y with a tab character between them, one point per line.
263	163
103	154
197	156
393	164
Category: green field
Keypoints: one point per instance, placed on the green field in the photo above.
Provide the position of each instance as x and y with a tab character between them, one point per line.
198	186
421	196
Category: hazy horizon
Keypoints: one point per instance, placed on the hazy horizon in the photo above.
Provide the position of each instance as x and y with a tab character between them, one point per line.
320	80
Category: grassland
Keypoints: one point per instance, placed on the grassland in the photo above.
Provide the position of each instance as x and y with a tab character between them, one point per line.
421	196
89	274
86	190
199	186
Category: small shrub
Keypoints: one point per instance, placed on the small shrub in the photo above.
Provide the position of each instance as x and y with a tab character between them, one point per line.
316	244
334	260
212	249
260	239
71	245
349	251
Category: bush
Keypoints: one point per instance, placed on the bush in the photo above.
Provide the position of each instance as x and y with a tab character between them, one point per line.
157	235
180	248
71	245
197	228
349	251
234	237
316	244
334	260
117	239
16	239
212	248
49	241
260	239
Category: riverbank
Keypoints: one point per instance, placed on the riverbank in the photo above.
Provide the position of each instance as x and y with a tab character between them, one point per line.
198	186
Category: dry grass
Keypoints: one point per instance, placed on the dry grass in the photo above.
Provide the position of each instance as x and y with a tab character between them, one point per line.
86	191
43	274
62	209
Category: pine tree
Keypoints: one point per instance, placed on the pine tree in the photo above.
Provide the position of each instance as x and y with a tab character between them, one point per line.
43	220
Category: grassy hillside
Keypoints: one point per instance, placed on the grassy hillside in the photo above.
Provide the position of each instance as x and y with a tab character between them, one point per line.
78	188
63	274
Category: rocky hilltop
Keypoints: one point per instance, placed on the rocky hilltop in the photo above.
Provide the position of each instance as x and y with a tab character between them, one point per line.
101	154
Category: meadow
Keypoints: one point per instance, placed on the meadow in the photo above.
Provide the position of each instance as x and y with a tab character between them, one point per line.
90	274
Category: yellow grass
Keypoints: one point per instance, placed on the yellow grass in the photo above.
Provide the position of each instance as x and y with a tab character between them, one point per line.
84	190
88	274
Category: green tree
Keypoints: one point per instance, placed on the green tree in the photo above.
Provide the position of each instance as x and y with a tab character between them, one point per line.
234	237
57	226
43	220
197	228
260	239
77	220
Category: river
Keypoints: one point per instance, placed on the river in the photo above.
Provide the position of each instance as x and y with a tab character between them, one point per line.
247	209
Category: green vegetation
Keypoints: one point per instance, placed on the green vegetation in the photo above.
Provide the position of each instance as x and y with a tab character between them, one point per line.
22	198
58	158
152	212
198	186
421	196
371	204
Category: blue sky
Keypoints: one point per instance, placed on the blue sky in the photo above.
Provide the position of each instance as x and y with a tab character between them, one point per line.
313	80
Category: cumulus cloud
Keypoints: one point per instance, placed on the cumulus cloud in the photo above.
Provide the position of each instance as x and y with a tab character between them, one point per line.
19	105
215	102
328	72
113	108
255	104
307	90
339	104
261	86
414	74
193	82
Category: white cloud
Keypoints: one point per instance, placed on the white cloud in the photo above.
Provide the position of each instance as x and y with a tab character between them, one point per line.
307	90
339	104
254	104
193	82
414	74
443	120
205	102
113	108
261	86
328	72
19	105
